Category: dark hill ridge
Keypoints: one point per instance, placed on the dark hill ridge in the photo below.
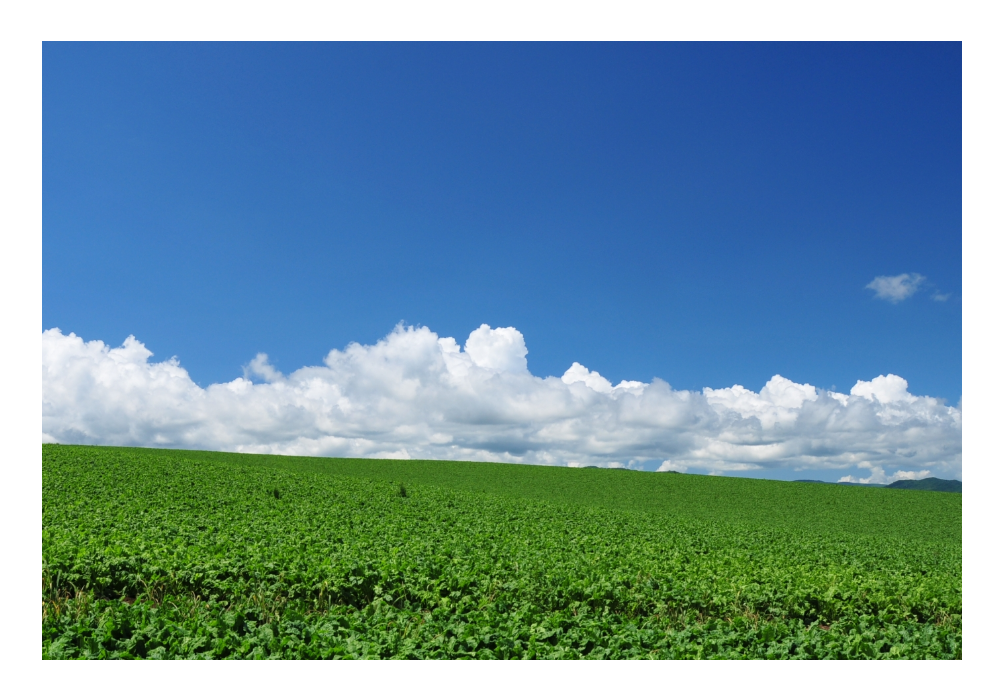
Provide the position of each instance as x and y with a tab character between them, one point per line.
837	483
929	484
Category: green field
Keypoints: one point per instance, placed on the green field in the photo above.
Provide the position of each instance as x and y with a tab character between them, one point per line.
176	554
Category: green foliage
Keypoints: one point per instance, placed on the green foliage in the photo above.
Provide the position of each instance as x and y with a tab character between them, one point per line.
170	554
783	504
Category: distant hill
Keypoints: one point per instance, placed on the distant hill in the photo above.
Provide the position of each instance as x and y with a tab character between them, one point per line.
929	484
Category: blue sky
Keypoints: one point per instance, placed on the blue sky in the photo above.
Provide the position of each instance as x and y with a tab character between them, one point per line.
705	213
708	214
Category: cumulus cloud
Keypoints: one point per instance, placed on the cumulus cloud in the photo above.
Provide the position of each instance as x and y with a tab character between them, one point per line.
497	349
416	395
885	389
261	367
593	380
895	289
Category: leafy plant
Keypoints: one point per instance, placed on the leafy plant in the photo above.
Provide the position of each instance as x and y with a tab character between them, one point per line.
172	554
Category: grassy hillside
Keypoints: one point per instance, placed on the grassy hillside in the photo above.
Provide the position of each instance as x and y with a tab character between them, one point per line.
813	507
155	553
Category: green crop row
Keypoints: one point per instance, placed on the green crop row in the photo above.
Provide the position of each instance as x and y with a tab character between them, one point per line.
152	554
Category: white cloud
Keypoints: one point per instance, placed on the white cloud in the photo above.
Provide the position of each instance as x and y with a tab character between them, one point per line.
885	389
895	289
667	466
415	395
878	476
922	474
938	296
260	367
579	373
497	349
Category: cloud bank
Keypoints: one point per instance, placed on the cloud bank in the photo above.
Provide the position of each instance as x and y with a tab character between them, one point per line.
417	395
878	476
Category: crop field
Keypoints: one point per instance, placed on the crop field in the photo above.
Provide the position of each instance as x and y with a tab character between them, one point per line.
178	554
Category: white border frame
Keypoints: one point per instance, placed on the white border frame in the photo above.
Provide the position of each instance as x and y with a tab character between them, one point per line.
26	26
